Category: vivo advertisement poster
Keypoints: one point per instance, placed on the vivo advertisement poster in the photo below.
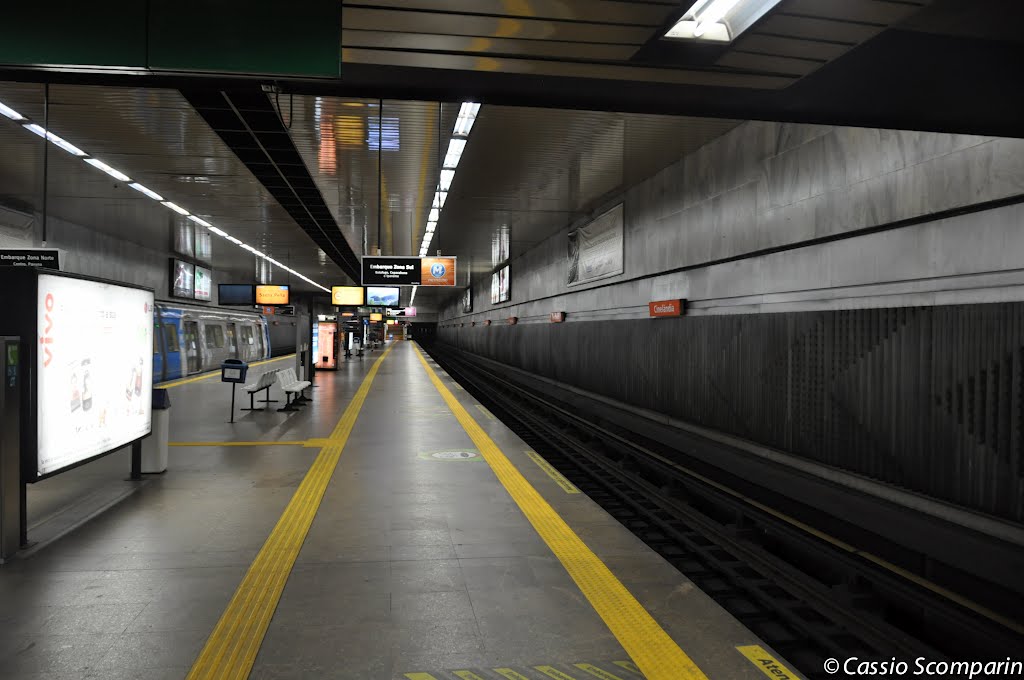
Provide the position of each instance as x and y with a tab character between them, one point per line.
95	369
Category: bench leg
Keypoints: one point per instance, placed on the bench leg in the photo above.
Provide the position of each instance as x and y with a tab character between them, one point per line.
251	407
302	398
268	400
289	405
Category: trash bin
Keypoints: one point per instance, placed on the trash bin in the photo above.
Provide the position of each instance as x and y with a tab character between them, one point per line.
154	447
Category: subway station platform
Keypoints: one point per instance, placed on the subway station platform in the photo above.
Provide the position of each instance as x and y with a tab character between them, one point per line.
392	528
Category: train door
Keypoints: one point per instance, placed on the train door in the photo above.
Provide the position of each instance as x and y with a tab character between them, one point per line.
158	351
232	342
192	346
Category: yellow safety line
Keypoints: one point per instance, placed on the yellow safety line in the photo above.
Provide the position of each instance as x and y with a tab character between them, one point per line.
650	647
231	648
214	374
551	472
278	443
596	672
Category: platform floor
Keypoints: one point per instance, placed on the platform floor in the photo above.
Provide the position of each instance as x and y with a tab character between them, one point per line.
381	532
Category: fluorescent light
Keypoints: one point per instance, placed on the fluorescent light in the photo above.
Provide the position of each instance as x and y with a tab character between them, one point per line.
116	174
10	113
446	179
466	118
434	215
455	148
149	192
234	240
719	20
199	220
715	12
215	230
439	198
176	208
431	226
67	146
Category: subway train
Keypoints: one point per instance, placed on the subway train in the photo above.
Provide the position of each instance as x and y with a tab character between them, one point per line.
190	339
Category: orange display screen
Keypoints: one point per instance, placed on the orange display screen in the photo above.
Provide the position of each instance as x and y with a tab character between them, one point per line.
376	317
344	296
271	295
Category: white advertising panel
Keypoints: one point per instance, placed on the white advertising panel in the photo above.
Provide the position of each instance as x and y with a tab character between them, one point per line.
95	369
595	250
204	283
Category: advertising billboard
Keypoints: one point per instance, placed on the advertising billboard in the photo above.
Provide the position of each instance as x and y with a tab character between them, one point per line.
204	284
344	296
499	286
183	279
377	296
437	271
94	369
271	295
595	250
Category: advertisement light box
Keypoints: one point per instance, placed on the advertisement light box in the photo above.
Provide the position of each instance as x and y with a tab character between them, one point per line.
408	271
204	284
346	296
94	369
183	279
271	295
376	317
377	296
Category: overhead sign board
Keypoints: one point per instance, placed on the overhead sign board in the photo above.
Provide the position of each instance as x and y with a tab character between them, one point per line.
344	296
271	295
661	308
408	271
30	257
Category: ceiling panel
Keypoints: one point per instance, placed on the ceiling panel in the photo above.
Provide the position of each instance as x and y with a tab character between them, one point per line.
158	139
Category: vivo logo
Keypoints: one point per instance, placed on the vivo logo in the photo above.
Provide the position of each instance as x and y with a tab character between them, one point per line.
46	338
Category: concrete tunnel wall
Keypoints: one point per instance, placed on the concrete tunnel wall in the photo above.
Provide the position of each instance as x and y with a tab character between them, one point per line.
891	352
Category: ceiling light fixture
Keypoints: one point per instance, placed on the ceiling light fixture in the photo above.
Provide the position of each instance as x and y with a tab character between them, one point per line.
149	192
10	113
719	20
199	220
57	141
116	174
176	208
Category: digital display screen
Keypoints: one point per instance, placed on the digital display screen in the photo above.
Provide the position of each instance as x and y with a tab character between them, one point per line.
382	296
271	295
183	279
376	317
499	286
95	370
204	283
236	294
344	296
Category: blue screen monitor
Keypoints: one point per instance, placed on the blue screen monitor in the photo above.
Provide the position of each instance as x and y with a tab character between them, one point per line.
382	296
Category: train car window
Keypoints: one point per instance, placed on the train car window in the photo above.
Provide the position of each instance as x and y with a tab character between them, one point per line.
218	336
247	335
171	338
209	337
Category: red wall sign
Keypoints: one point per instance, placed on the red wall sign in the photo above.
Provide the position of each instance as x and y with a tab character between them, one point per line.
513	320
557	317
666	307
487	322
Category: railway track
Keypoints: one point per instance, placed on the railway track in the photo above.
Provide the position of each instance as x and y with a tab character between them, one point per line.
807	595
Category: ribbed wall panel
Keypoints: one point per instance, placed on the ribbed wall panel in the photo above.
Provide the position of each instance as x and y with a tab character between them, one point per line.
930	399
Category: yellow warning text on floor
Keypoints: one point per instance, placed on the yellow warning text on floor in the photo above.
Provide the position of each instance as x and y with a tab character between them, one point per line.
468	675
768	664
420	676
651	648
551	472
552	672
596	672
628	665
510	674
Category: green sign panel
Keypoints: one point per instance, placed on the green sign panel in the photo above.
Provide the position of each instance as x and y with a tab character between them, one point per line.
251	37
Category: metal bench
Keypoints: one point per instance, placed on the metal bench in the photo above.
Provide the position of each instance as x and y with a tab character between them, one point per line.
264	383
292	386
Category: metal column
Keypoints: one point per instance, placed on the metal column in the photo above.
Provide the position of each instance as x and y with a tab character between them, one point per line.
10	448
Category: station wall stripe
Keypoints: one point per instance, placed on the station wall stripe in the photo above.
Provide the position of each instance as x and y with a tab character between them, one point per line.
214	374
231	648
650	647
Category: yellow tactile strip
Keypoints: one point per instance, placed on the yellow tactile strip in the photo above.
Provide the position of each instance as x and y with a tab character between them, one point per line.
649	646
231	649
